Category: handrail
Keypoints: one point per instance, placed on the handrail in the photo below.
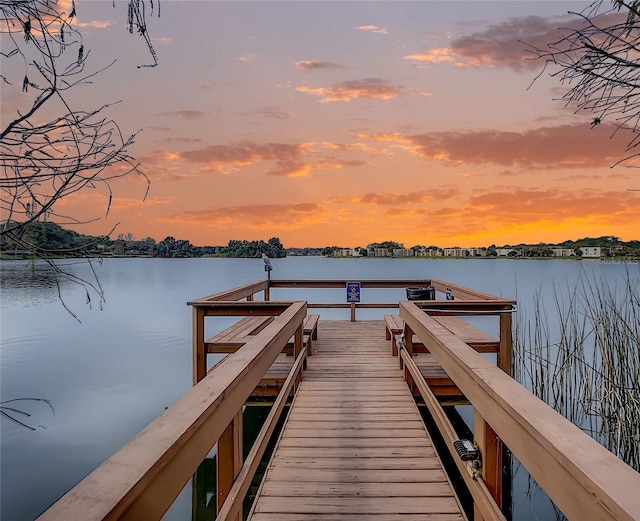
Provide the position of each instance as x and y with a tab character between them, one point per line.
233	504
142	479
238	293
477	487
582	477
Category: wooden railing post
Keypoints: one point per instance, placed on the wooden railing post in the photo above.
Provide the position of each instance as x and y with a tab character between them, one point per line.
505	354
491	450
353	312
228	460
298	344
199	353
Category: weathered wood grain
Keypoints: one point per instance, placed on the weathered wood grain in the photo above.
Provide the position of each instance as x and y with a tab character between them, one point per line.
354	445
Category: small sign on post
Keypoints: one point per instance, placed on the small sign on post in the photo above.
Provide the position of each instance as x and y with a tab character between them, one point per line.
353	292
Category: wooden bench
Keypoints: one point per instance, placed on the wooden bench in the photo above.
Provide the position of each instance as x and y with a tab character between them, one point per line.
309	334
235	336
479	340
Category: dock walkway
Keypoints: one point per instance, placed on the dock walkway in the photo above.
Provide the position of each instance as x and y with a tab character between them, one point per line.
348	451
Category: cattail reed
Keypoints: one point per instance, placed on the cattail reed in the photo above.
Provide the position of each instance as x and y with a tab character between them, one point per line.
580	353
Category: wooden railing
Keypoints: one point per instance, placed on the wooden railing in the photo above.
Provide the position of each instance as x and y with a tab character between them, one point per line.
584	479
142	480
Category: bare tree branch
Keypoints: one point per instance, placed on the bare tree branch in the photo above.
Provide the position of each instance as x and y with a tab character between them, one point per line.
598	60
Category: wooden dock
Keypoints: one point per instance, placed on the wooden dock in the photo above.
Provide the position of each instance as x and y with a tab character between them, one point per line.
354	445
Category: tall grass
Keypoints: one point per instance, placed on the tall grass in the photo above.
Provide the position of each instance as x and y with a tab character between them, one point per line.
579	351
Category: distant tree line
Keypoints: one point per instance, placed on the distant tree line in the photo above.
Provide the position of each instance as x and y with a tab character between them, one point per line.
46	239
251	249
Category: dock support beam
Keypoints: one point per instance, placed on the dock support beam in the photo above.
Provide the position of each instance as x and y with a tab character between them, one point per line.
505	355
491	449
199	352
228	460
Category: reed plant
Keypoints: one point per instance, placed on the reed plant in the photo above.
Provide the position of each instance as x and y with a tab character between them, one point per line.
578	349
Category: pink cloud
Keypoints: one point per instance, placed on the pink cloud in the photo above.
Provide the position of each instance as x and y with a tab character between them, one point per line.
265	216
372	88
311	65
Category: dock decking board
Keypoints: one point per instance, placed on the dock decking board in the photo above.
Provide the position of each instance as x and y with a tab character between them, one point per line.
354	446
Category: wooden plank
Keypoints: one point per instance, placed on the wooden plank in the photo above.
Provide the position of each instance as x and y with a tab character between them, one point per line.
322	443
359	452
354	444
357	463
279	516
338	488
385	431
341	416
355	505
301	474
363	424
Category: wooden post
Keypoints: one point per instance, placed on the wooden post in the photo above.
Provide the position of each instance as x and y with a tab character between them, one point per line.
267	294
298	344
353	312
228	460
408	339
491	450
506	344
199	353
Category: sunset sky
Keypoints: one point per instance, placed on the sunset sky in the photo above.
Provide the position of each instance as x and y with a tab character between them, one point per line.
346	123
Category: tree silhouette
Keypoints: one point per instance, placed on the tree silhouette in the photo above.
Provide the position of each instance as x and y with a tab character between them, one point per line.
598	60
51	149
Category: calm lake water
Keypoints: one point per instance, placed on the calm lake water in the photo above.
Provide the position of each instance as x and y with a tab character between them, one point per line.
111	373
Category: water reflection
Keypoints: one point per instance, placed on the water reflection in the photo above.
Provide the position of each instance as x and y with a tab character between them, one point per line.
112	374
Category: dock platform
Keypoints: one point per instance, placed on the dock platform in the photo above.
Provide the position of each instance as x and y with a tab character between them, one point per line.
353	444
341	454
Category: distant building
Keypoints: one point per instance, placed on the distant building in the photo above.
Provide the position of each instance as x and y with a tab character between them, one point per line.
378	252
428	252
347	252
563	252
403	252
455	252
504	252
591	252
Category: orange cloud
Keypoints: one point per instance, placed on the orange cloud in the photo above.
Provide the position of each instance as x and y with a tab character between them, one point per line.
292	160
388	137
248	57
227	158
556	205
260	217
95	24
299	169
311	65
564	146
120	203
524	214
273	113
372	29
506	44
420	197
431	56
372	88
